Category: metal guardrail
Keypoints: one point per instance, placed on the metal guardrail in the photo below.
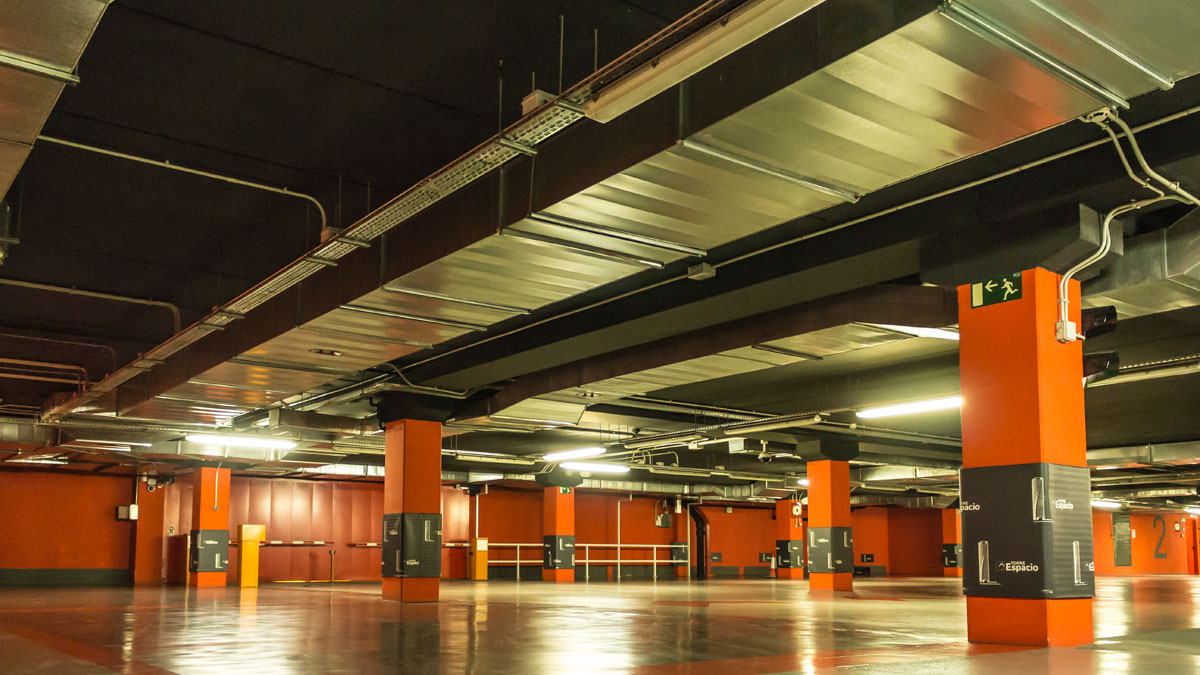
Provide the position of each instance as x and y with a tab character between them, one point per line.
586	561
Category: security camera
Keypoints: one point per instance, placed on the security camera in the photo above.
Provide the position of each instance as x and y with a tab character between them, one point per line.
764	457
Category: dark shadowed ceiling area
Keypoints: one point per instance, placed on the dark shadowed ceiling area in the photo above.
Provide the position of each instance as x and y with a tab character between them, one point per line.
352	103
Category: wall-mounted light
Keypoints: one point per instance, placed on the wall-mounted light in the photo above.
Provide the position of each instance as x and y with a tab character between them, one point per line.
929	405
241	441
578	453
595	467
1106	503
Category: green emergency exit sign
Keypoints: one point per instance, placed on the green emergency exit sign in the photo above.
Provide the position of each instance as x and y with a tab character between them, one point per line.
994	291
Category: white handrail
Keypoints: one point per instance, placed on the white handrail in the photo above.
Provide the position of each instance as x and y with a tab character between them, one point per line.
587	560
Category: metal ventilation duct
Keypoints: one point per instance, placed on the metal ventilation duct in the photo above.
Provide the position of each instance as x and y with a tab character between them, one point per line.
948	85
1159	272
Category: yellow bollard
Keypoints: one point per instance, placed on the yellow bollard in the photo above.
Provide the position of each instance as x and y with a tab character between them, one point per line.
477	563
249	537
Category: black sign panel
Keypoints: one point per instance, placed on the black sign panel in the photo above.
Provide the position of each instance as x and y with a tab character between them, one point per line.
412	545
830	549
1122	540
951	555
679	553
210	551
1027	531
558	552
789	553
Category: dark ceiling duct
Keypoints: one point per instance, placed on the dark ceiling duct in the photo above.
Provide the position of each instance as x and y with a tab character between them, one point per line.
1159	272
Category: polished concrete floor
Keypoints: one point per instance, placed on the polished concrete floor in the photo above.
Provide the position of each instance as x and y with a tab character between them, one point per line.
1143	625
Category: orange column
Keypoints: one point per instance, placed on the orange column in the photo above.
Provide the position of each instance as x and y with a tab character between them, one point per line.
558	534
412	506
149	543
789	539
210	526
1027	559
830	543
951	543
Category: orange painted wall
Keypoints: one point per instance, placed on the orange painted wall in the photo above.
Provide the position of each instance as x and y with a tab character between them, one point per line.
871	534
57	520
915	542
907	541
596	523
1146	538
149	545
740	536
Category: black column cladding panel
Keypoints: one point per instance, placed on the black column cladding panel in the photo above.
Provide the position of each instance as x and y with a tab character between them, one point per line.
951	555
1027	531
421	545
679	553
391	562
210	551
558	552
830	549
1122	540
789	553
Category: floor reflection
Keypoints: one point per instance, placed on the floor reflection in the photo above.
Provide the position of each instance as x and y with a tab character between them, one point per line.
1144	624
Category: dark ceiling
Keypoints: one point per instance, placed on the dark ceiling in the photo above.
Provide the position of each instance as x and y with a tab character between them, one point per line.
355	101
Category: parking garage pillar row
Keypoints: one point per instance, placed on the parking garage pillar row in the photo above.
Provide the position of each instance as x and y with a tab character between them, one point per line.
558	534
789	539
830	546
208	560
412	507
1028	572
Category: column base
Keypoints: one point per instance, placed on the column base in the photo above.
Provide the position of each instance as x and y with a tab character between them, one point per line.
410	590
952	571
789	573
830	581
1033	622
558	576
207	579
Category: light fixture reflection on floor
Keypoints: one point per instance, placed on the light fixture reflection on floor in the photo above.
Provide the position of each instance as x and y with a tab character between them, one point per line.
241	441
929	405
595	467
578	453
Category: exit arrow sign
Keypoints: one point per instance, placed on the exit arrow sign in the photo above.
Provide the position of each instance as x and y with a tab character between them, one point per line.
994	291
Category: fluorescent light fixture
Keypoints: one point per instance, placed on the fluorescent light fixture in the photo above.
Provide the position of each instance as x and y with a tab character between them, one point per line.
595	467
710	44
578	453
483	477
241	441
125	443
1106	503
778	424
911	408
920	331
801	481
496	460
1194	510
37	461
